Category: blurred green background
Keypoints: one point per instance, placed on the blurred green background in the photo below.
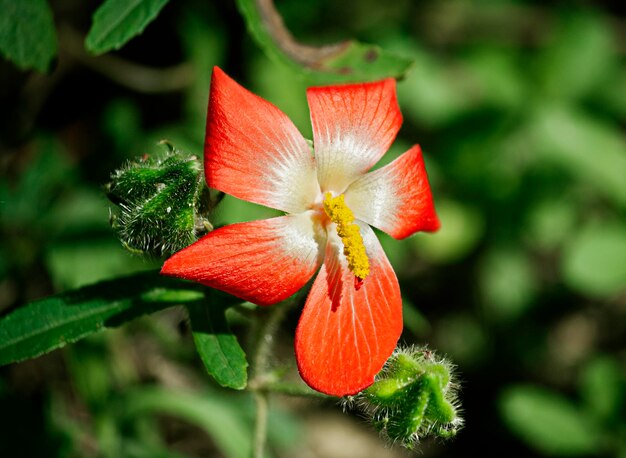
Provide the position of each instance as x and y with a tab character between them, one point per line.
520	108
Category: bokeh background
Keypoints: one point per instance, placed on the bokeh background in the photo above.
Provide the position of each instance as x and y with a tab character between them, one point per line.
520	108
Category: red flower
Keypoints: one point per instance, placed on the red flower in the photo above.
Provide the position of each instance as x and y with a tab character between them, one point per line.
352	318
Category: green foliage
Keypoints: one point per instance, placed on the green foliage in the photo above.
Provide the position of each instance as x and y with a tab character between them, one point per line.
579	57
461	230
131	419
32	195
117	21
593	262
218	347
603	389
430	94
224	417
507	282
591	151
27	35
211	412
549	422
55	321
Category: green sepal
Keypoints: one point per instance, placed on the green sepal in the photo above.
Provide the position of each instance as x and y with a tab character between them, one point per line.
162	203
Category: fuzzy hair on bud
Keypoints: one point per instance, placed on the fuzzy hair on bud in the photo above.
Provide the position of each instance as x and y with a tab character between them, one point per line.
414	396
161	203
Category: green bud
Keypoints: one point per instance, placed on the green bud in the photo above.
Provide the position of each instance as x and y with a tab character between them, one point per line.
414	396
162	203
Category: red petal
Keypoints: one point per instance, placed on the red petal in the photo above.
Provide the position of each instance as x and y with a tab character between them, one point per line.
396	198
261	261
353	126
254	152
345	335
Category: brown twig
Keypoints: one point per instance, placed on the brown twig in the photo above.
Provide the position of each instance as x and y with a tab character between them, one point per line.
309	56
134	76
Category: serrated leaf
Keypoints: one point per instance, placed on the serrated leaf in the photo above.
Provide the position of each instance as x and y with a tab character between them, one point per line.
50	323
217	345
548	422
115	22
347	61
27	35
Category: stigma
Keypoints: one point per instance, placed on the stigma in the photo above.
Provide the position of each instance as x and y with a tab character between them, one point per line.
353	247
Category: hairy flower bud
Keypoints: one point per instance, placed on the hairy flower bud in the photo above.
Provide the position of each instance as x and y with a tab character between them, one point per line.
162	203
414	396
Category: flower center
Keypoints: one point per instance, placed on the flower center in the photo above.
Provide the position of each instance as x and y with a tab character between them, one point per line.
353	247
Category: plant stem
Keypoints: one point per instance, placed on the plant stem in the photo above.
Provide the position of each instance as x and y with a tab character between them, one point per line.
260	423
292	389
263	339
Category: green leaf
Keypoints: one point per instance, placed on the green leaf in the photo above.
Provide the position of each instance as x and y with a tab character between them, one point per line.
217	345
365	62
50	323
496	72
432	93
593	261
204	43
77	263
551	221
548	422
590	150
508	284
27	35
413	320
218	415
117	21
603	387
580	57
347	61
462	228
289	95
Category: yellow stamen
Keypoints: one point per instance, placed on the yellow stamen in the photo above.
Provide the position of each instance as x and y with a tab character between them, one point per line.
353	247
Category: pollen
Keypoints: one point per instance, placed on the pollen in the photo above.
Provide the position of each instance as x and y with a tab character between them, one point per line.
348	230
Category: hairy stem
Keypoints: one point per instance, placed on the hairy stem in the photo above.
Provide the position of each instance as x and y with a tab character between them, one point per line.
263	339
260	423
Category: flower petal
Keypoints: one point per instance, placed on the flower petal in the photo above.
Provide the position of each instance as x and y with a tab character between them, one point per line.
254	152
261	261
396	198
345	335
353	126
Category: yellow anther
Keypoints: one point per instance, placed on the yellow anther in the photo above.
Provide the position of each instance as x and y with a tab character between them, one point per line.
353	247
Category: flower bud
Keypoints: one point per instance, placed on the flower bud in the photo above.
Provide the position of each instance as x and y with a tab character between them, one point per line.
162	203
414	396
